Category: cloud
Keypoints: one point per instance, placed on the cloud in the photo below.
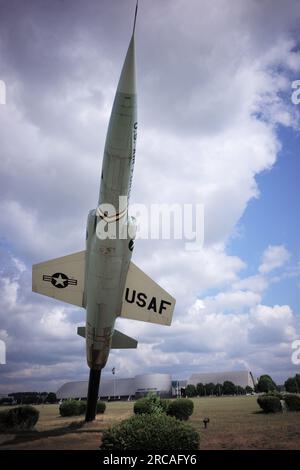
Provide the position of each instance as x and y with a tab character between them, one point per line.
213	88
273	257
256	283
272	324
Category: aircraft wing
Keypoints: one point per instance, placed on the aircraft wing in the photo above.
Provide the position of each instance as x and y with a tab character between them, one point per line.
145	300
61	278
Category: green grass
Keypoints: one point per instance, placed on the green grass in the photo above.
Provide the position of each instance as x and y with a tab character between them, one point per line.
235	423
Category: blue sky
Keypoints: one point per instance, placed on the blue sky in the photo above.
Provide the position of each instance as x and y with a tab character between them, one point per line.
216	127
272	218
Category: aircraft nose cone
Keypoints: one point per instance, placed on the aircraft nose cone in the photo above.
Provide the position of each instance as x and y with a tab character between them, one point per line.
127	81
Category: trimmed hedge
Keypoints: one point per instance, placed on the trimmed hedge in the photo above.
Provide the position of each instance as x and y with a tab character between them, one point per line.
72	408
181	408
155	432
81	407
292	402
21	418
101	406
275	393
78	407
68	408
150	404
269	403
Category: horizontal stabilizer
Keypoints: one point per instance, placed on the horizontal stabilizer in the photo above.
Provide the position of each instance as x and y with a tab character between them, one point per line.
144	300
61	278
81	331
122	341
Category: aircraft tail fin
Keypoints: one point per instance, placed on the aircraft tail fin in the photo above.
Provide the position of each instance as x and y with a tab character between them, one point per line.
119	340
81	331
145	300
61	278
122	341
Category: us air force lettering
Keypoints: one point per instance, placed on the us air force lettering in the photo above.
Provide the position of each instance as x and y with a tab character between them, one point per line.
102	279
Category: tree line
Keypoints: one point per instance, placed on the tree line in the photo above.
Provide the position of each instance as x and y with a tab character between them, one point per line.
226	388
264	384
29	398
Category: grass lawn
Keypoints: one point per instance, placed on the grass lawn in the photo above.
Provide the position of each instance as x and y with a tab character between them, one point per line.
235	423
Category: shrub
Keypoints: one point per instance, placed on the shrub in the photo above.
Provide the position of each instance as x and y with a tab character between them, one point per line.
142	406
78	407
71	408
269	403
101	407
20	418
155	432
81	404
150	404
164	403
275	393
181	408
292	402
3	420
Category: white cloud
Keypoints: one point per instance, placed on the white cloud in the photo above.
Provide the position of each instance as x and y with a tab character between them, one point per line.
274	257
272	324
255	283
9	290
55	324
235	301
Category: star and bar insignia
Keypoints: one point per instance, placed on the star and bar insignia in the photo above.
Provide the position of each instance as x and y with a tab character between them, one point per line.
60	280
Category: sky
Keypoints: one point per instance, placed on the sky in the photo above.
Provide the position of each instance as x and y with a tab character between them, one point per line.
217	126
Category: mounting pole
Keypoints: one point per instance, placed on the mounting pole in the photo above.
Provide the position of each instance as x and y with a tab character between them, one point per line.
93	391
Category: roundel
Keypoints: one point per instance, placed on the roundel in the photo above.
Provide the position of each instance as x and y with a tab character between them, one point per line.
59	280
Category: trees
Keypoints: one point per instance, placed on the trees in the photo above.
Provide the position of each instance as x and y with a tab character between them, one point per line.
266	384
292	384
248	389
29	398
218	390
229	388
190	390
209	389
51	398
200	389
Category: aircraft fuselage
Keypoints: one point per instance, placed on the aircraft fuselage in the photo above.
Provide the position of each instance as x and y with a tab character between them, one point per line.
107	259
